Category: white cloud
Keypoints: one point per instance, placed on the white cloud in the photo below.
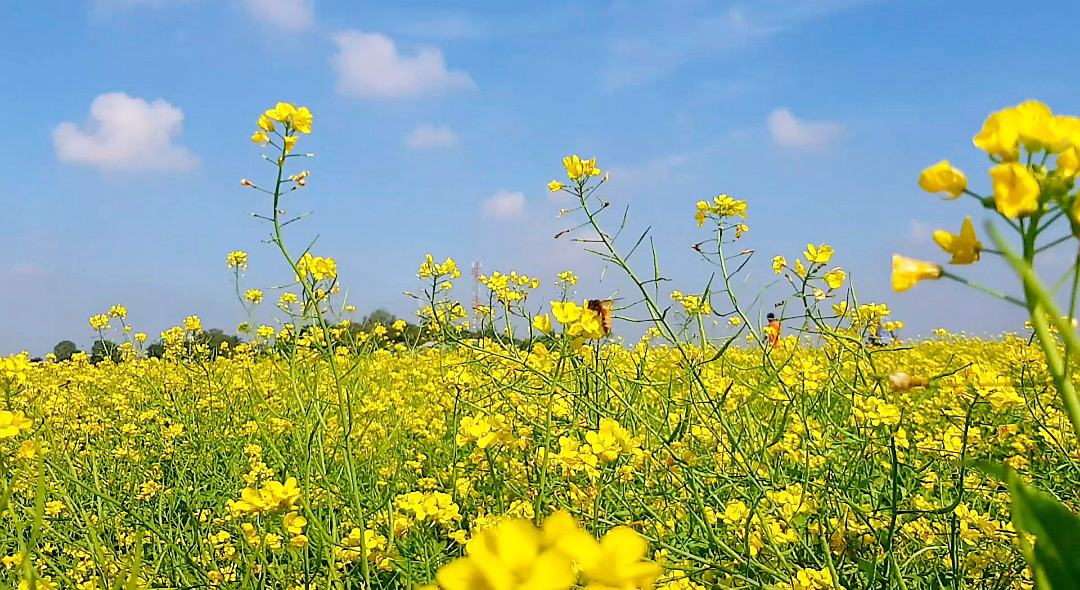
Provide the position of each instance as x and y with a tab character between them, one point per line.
295	15
125	133
788	131
503	205
369	66
431	136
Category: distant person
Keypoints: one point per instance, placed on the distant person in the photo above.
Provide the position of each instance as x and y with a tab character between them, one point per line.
876	338
774	331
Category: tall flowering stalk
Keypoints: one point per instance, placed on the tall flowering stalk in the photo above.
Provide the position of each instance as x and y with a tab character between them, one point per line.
1030	194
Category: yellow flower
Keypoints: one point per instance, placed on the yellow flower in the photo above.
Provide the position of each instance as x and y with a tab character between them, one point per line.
282	112
779	263
1016	191
835	278
575	167
301	120
266	123
12	424
566	313
619	561
290	141
555	186
140	337
1000	134
294	523
508	555
254	295
118	311
237	259
542	323
965	247
99	321
1037	127
818	254
942	177
908	271
260	137
1068	162
192	323
800	268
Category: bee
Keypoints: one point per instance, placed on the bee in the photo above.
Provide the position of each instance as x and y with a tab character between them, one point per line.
602	307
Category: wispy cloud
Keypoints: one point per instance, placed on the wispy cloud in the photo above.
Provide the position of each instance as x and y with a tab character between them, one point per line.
293	15
430	137
787	131
369	65
449	28
503	205
125	133
651	39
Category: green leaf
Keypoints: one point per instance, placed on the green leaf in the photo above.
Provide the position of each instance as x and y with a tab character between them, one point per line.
1055	557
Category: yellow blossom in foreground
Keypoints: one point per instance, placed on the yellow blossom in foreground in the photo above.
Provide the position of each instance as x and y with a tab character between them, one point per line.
908	271
118	311
779	263
942	177
1016	191
965	247
12	424
555	186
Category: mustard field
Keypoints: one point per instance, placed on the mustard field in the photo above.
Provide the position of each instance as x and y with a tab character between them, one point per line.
519	444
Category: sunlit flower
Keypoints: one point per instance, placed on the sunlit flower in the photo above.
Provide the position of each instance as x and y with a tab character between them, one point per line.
965	248
1016	191
942	177
908	271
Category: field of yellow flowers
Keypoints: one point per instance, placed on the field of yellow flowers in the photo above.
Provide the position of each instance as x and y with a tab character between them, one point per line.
543	454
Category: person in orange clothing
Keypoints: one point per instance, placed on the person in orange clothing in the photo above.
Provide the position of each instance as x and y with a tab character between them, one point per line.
774	332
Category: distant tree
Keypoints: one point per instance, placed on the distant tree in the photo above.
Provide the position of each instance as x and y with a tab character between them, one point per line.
64	350
104	349
215	337
379	317
155	350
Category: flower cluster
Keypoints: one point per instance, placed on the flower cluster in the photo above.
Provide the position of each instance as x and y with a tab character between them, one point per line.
316	267
271	498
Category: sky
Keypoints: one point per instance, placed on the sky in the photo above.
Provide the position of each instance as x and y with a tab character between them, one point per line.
438	125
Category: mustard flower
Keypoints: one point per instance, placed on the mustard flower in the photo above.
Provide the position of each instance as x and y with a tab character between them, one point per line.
965	248
908	271
13	423
942	177
1016	191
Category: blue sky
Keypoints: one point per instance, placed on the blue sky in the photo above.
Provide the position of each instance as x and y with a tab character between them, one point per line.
438	125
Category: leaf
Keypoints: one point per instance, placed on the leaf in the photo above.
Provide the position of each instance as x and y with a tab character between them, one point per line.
1054	559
